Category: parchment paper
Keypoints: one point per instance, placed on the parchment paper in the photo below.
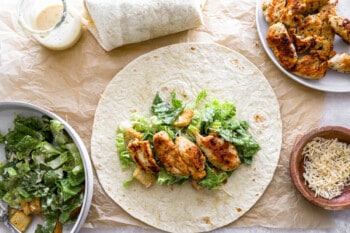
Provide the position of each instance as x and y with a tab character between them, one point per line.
70	83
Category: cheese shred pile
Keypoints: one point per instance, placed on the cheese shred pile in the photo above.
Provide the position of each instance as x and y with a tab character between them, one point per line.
327	166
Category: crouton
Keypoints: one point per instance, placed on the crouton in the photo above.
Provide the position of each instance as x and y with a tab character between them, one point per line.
58	227
35	206
20	220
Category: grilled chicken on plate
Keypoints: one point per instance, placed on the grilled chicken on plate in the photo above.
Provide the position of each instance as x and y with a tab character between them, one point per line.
341	26
340	63
281	45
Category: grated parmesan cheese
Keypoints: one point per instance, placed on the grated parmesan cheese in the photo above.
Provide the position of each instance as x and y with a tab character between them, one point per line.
327	166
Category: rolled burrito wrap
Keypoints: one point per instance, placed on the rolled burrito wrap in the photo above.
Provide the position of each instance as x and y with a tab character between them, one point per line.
117	23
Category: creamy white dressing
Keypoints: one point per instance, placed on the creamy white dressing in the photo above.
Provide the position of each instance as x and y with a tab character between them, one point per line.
63	36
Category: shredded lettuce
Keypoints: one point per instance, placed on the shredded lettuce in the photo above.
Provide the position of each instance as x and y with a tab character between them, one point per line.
42	161
165	178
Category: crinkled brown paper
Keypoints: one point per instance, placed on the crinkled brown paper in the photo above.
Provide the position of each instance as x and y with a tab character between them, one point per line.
71	82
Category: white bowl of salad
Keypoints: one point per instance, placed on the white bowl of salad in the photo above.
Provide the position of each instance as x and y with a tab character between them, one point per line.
46	177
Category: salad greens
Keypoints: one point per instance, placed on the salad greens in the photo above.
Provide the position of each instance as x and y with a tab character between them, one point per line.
210	117
42	161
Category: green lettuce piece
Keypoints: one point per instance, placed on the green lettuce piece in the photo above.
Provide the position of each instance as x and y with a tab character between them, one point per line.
48	226
124	155
167	112
165	178
59	134
67	190
69	206
213	180
59	160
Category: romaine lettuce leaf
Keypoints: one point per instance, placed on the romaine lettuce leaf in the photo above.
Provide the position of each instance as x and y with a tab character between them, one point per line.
165	111
213	180
165	178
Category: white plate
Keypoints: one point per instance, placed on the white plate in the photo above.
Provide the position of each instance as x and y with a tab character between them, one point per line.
333	81
8	111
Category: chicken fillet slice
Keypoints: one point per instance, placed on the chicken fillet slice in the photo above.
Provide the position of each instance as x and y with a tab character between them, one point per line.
341	26
272	10
219	152
310	66
142	154
168	154
192	156
340	63
282	46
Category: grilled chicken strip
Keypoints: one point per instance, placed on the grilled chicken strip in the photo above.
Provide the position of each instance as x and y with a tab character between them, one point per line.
142	154
341	26
296	9
301	43
317	24
310	6
315	37
340	63
281	44
219	152
310	67
168	154
272	10
192	156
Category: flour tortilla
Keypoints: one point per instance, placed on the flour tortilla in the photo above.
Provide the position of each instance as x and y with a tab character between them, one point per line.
116	23
187	69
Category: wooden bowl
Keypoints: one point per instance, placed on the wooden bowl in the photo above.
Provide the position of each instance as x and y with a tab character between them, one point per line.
341	202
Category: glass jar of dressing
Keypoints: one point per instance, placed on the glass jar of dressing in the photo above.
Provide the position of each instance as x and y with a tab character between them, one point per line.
51	22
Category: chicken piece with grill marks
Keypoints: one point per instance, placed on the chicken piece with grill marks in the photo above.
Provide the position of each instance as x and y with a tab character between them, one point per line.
295	10
168	154
192	156
310	66
222	154
142	154
341	26
319	36
317	24
281	45
272	10
340	63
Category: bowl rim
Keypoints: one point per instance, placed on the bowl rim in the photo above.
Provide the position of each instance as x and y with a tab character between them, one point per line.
88	189
298	179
